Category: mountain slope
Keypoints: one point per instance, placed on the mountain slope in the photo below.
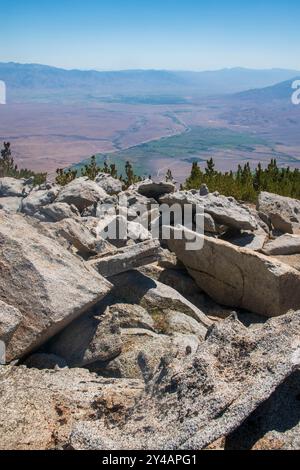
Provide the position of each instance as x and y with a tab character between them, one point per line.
280	92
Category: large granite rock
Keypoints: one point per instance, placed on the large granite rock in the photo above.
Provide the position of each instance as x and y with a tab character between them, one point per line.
224	210
119	231
291	260
81	193
126	259
10	319
110	185
285	245
204	191
238	277
139	208
154	190
49	285
179	279
94	337
11	187
11	204
284	212
194	401
156	297
118	343
56	212
38	408
275	424
39	198
143	351
227	211
251	240
129	339
74	233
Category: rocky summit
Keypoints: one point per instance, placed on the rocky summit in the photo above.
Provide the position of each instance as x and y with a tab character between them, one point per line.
127	323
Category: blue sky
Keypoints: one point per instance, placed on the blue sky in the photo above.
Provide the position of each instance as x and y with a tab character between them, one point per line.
161	34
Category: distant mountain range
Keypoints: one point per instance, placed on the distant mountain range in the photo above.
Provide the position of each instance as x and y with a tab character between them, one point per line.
41	83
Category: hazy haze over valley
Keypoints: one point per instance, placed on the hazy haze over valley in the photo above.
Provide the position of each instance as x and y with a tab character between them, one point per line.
157	119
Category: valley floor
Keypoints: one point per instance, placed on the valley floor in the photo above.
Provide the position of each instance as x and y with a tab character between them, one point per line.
45	137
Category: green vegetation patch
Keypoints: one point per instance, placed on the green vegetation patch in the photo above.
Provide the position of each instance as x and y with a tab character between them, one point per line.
182	146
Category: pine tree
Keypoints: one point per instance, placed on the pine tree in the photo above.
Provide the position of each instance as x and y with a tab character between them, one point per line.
131	177
91	170
113	170
169	176
210	168
195	179
257	183
129	173
10	169
64	177
7	166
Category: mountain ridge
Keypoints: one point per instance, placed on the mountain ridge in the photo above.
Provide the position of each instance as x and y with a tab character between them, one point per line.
279	91
44	83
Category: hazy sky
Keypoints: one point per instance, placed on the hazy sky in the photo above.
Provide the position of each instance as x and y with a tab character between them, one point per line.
168	34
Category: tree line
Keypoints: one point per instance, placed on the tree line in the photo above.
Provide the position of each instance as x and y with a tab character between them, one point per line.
8	168
91	170
243	184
